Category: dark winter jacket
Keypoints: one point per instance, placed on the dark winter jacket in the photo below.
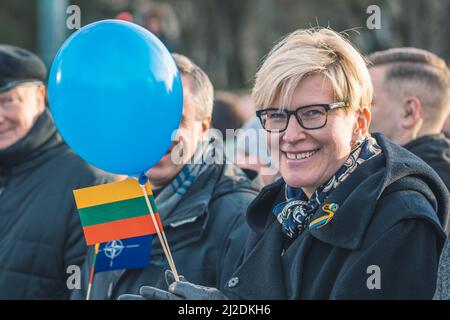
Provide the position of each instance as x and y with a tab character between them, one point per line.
435	151
40	231
384	241
443	280
206	233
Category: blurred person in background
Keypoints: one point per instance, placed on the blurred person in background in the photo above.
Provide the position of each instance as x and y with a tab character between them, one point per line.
412	102
124	16
245	106
243	145
40	231
160	19
252	152
225	114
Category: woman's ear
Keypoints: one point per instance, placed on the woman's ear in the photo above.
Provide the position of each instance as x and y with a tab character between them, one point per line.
362	124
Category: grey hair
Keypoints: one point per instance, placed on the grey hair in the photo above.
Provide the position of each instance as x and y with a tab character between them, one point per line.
201	88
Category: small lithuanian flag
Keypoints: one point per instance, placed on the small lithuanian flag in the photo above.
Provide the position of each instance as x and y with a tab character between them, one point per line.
115	211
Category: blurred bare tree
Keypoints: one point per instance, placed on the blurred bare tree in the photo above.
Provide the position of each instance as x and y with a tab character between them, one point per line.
228	38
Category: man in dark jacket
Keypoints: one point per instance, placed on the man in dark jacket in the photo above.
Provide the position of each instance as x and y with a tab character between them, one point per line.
201	204
41	236
411	103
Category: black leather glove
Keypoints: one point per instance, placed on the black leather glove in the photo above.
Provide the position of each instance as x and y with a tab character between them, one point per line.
182	290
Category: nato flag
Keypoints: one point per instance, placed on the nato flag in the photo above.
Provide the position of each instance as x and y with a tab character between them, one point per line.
131	253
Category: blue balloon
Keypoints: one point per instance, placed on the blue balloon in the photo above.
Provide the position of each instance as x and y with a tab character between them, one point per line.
116	97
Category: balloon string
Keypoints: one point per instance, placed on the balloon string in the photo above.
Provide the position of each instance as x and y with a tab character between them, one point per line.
161	236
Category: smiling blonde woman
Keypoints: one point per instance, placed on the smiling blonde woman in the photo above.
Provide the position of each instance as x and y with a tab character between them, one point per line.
354	216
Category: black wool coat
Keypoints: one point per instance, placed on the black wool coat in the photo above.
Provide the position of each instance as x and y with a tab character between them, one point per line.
435	151
384	241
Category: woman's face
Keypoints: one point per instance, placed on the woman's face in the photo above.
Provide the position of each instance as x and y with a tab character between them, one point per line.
323	150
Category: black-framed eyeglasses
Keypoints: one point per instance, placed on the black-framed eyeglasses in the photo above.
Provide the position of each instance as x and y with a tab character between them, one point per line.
308	117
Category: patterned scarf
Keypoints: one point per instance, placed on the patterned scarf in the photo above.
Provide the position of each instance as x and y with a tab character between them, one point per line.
171	195
296	211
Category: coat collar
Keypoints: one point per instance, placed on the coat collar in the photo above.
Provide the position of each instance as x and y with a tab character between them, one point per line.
427	140
23	154
261	207
357	196
30	151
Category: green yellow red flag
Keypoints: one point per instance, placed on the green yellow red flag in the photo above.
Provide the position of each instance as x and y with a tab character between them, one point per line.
115	211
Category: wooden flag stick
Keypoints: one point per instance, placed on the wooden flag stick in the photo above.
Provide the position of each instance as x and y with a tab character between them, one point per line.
161	236
91	276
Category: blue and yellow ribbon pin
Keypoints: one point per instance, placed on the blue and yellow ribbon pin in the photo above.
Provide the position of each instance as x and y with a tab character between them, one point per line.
329	208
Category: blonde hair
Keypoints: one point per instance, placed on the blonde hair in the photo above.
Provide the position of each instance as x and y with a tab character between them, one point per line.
313	51
201	88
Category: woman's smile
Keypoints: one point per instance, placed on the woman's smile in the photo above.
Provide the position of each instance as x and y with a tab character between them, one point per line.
299	157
